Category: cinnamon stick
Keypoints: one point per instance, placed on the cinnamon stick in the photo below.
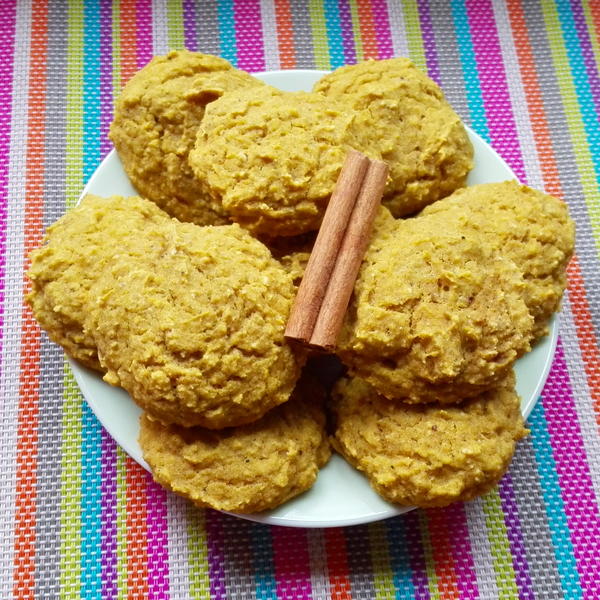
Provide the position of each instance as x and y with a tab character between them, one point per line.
350	255
322	259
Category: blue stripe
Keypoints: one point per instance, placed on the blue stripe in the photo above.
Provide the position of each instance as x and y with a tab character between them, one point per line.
262	561
91	445
555	510
585	97
226	19
335	41
478	119
398	550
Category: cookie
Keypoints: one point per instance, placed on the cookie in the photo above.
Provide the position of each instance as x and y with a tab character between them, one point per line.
155	122
418	134
196	336
436	315
76	248
427	455
243	469
531	228
270	159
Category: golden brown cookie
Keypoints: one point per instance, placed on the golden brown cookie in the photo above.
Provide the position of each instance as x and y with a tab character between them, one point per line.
156	118
419	135
531	228
271	158
76	248
427	455
196	336
243	469
436	315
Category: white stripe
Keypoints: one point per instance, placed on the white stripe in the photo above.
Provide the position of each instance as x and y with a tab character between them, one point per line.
481	549
319	574
179	582
160	30
269	31
13	298
517	96
397	28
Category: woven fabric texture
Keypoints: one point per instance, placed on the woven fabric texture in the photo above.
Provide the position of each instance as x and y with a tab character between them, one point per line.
80	519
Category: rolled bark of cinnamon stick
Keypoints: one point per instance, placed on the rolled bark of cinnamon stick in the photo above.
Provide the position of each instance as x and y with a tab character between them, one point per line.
311	291
349	258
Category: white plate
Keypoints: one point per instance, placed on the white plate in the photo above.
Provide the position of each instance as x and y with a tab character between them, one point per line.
341	496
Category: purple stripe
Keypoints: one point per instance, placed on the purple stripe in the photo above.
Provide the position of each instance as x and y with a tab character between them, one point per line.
494	88
248	35
347	32
383	33
108	517
428	34
189	25
7	31
580	502
458	531
143	21
587	52
515	538
106	76
216	557
158	542
417	556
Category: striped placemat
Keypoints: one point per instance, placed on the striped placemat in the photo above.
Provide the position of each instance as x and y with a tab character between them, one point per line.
79	519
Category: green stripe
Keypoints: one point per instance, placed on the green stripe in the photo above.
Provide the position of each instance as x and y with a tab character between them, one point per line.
574	118
383	577
432	581
414	37
175	25
499	545
70	499
197	553
121	524
319	34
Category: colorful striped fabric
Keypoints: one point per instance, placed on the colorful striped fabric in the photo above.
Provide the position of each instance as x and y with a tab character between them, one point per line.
80	519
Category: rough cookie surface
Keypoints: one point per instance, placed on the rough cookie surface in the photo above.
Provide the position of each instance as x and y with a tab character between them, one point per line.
196	336
155	123
436	315
427	455
242	469
271	158
76	248
419	135
531	228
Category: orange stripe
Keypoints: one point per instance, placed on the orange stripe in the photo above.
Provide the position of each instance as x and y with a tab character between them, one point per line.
585	332
128	40
577	294
27	451
442	554
285	34
595	12
337	564
367	30
137	530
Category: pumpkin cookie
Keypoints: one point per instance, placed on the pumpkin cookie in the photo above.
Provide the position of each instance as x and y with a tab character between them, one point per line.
243	469
427	455
156	118
418	134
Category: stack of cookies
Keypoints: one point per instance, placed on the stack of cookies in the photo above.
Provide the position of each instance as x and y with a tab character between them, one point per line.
181	295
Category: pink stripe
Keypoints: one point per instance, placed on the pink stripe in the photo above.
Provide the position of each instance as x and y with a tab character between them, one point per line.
383	34
248	35
292	563
494	88
143	21
580	502
158	543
